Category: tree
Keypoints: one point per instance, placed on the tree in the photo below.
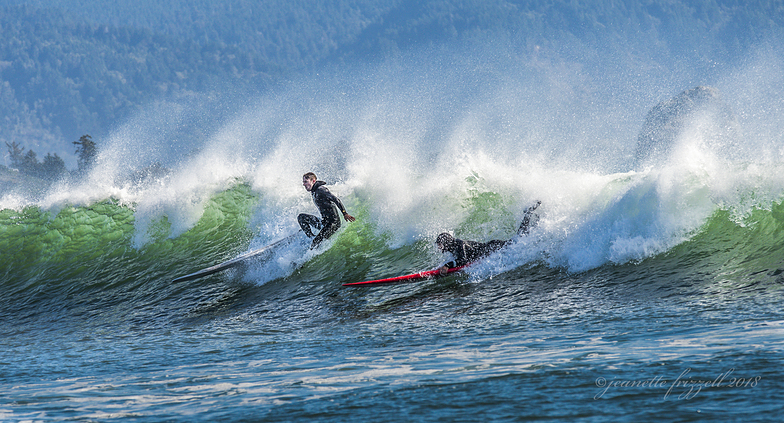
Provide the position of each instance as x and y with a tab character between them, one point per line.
29	163
86	152
52	167
16	152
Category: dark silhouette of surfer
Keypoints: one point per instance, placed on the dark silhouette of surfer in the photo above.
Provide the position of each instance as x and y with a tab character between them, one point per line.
329	206
466	252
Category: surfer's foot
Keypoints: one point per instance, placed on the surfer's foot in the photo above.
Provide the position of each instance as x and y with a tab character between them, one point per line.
529	220
532	208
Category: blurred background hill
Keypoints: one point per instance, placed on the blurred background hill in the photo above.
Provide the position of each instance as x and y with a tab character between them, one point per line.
73	67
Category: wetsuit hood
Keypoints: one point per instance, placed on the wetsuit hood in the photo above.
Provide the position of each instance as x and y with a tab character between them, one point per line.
316	185
444	239
447	241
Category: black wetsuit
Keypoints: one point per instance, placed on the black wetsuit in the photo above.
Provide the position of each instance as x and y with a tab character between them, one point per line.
469	251
330	208
466	252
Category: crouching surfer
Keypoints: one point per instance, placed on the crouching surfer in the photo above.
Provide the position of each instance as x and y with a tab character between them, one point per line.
328	205
465	252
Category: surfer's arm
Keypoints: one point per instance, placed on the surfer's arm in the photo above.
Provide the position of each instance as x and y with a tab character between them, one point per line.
446	266
461	256
333	198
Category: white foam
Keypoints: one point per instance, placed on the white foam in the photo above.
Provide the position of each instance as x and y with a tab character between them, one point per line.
409	142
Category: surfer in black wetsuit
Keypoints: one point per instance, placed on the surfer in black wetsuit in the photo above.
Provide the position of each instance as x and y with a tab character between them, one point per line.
466	252
329	206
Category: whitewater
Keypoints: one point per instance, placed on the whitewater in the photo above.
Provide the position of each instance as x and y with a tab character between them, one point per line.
647	291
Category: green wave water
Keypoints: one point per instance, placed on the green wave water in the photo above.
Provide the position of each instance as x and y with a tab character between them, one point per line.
80	252
75	252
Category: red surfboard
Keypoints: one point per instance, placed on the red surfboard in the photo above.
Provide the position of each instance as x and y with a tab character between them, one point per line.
414	277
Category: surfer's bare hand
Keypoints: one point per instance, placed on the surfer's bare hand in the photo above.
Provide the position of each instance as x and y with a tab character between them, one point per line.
348	217
443	270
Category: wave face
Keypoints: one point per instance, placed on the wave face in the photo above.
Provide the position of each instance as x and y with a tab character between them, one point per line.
426	143
417	148
630	218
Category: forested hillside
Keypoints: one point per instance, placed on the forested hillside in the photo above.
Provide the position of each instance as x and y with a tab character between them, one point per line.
71	67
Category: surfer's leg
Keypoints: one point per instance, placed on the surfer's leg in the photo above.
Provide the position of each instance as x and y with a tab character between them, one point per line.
530	219
492	246
329	229
496	245
306	221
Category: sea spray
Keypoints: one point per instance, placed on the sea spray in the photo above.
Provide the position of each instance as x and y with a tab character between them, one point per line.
425	146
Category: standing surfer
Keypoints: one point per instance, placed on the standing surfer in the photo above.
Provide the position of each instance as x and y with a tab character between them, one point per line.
465	252
329	206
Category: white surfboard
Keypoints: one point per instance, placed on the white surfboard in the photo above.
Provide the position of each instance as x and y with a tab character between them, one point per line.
233	262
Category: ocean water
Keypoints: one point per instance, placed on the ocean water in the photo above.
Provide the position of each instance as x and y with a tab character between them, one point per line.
648	294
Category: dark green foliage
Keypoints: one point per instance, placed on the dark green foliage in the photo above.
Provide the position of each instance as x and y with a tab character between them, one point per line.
52	168
15	153
86	151
73	76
